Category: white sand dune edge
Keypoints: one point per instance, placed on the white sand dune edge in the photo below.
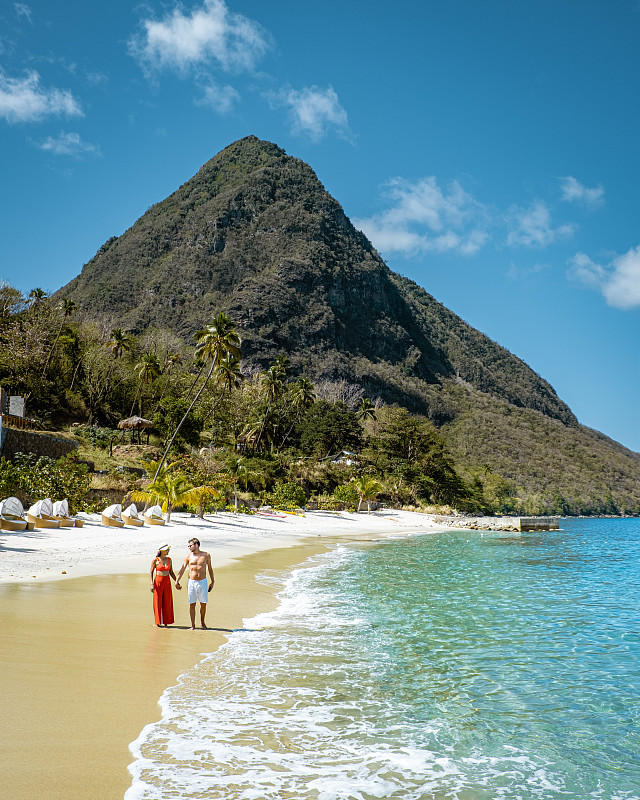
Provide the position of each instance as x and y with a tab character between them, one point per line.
52	554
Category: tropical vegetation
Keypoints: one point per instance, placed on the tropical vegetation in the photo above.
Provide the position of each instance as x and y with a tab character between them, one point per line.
228	434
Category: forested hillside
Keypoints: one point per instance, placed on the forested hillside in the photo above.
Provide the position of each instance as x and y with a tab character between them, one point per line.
254	234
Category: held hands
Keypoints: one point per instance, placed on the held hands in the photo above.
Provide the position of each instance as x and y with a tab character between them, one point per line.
178	587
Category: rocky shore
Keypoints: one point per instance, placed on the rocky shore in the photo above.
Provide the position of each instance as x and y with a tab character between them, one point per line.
516	524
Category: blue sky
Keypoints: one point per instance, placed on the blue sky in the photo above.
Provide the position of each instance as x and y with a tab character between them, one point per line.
489	150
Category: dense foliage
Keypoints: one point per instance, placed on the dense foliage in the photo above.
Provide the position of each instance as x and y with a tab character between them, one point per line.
253	436
31	478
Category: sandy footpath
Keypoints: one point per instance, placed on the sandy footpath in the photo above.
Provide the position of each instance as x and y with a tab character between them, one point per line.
82	664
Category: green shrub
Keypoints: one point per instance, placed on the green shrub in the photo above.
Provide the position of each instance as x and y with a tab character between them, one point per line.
287	495
327	502
9	478
242	509
97	437
40	477
347	494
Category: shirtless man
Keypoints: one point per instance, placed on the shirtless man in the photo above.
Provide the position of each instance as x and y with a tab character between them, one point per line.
198	562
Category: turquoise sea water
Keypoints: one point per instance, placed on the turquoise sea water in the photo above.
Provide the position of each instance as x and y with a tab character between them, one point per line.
455	665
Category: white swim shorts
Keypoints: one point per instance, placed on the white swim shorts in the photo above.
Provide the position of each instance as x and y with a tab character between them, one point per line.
198	590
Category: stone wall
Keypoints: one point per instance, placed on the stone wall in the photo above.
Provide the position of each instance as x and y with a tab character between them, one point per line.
501	523
42	444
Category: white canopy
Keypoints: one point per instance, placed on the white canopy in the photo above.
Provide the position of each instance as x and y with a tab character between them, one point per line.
11	507
114	511
154	512
61	508
43	508
131	511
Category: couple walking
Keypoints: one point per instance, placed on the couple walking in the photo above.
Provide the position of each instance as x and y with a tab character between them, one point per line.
197	562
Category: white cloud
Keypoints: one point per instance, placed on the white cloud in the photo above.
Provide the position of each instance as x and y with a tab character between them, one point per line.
23	10
68	144
517	272
210	32
575	192
313	110
24	100
424	217
532	227
618	281
219	98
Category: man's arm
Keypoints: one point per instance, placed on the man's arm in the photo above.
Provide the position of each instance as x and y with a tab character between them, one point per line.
213	580
181	573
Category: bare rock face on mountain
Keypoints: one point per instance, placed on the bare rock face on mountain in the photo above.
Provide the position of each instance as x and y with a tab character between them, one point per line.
255	234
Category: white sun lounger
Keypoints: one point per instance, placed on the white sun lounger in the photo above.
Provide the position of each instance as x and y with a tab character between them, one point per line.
41	514
112	516
12	516
154	516
131	517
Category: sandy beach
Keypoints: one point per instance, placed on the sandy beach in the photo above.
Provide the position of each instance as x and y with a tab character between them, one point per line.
82	665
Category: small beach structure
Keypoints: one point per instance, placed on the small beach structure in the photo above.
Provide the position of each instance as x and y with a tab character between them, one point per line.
61	511
154	516
135	424
112	516
12	516
131	517
41	514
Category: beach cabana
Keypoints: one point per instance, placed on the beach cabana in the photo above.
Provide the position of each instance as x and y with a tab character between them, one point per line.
61	511
41	514
131	516
112	516
154	516
135	424
12	516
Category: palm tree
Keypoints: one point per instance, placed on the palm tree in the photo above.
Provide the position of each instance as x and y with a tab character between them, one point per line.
366	409
229	377
36	297
215	343
302	394
168	488
241	474
368	489
67	307
148	369
170	361
273	388
120	342
198	495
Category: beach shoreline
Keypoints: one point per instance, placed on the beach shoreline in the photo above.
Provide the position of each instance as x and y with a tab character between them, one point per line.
64	553
83	660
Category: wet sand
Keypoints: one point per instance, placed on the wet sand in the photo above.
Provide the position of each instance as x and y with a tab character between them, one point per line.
82	666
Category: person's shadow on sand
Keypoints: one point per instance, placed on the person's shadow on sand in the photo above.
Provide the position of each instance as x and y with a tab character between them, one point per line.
215	630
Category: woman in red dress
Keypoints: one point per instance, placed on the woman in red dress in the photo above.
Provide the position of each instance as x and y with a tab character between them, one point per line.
161	587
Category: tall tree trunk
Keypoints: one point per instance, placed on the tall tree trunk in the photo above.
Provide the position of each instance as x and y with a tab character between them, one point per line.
177	430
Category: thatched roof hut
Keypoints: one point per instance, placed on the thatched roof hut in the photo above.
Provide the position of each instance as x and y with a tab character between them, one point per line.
135	424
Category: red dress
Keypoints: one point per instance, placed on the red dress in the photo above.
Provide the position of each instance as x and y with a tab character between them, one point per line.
163	595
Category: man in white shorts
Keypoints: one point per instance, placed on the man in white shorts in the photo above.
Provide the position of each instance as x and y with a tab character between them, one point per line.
197	588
